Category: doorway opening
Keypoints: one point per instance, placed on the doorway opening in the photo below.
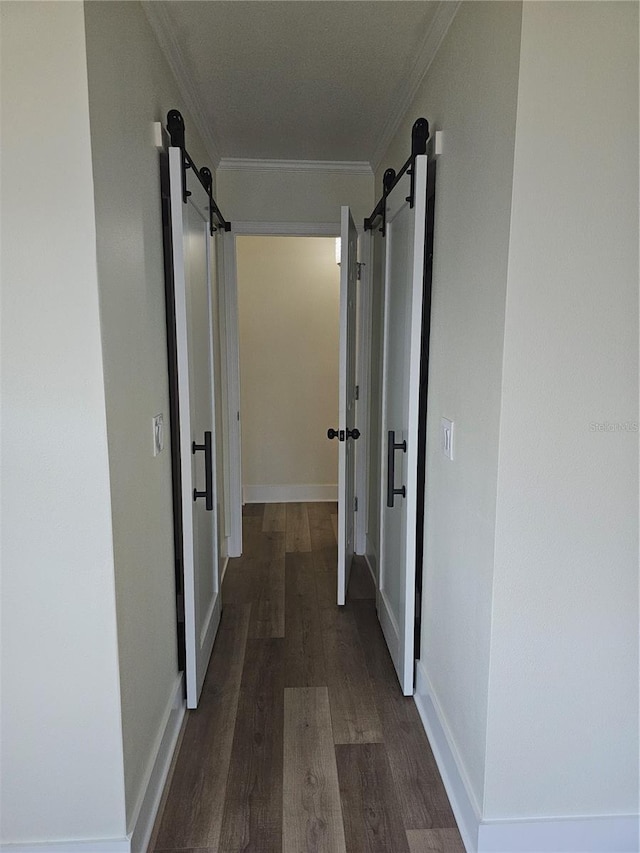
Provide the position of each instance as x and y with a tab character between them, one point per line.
288	317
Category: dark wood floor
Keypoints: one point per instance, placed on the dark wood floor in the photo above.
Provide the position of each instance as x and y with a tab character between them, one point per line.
302	741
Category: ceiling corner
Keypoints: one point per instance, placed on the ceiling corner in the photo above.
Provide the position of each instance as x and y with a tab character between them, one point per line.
163	28
408	88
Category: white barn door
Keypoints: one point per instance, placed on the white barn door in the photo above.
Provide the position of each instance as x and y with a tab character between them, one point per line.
192	270
404	274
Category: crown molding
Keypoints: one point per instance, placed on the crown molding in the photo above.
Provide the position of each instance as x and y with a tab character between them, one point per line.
408	87
164	28
239	164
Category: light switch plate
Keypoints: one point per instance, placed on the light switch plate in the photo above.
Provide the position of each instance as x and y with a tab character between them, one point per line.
158	434
446	437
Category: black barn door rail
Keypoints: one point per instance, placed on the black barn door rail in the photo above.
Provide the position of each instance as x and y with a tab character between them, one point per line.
419	138
175	128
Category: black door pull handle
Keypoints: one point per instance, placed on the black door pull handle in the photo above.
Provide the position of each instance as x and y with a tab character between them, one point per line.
392	446
207	447
353	433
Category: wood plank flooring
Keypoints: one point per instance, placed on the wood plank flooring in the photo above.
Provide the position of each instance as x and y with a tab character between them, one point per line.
302	742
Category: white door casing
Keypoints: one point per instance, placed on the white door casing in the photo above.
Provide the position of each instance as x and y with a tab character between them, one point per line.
404	274
363	382
346	398
232	353
192	268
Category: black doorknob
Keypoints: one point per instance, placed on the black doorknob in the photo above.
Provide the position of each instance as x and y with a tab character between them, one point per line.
353	433
335	433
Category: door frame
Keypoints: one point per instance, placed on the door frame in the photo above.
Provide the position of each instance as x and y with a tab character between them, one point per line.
363	374
231	345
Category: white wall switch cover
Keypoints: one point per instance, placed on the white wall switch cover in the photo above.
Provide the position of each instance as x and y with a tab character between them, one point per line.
158	434
446	437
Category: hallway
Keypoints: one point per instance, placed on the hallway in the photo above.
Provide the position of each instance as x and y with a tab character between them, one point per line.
302	740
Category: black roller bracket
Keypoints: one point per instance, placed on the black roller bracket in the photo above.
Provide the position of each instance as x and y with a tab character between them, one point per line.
176	130
419	139
207	180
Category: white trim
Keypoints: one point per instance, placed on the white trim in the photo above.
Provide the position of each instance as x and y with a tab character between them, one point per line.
588	834
165	31
371	556
146	810
225	566
409	84
234	427
363	335
371	571
309	493
389	625
221	332
210	626
286	229
232	343
89	845
599	834
151	795
350	167
457	786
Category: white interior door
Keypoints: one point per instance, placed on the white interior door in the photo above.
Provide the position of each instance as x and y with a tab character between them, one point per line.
404	273
192	267
347	399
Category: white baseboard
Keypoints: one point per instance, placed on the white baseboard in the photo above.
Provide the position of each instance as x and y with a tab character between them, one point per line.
145	815
146	809
597	834
225	566
310	493
372	571
600	834
95	845
462	801
389	626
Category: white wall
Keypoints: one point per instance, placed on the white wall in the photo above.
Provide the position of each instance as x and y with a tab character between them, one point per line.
288	295
62	774
470	94
130	87
293	196
563	699
529	663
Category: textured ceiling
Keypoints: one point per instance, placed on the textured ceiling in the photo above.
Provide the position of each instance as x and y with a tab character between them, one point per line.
313	80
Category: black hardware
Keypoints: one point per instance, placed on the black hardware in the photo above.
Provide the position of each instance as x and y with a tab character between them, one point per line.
353	433
419	137
208	470
336	433
207	179
392	446
175	127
